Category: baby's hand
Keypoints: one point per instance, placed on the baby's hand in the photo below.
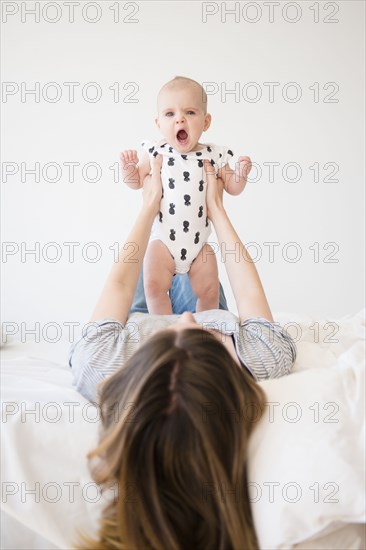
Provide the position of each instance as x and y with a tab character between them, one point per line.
130	170
128	158
242	168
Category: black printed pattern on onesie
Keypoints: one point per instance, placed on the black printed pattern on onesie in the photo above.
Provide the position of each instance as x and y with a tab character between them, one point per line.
182	223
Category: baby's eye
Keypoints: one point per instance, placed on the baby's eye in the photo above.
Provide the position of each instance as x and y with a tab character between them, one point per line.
191	113
169	113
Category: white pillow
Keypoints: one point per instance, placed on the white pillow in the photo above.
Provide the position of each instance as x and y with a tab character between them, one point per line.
306	465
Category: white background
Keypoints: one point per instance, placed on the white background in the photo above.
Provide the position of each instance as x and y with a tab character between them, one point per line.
168	39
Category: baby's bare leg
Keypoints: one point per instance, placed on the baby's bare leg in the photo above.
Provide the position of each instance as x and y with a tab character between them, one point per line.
159	268
204	278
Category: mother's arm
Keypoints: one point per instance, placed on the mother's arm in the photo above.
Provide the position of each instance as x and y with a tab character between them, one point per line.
246	285
118	292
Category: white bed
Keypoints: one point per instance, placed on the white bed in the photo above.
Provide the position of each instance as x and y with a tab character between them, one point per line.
306	457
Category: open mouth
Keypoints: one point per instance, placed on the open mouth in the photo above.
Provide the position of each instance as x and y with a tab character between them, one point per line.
182	137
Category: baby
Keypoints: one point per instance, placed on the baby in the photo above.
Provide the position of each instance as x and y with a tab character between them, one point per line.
178	241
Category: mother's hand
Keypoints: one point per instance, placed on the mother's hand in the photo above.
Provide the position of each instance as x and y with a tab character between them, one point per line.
215	188
152	188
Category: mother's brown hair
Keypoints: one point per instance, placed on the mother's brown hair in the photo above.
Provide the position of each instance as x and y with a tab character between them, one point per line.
174	440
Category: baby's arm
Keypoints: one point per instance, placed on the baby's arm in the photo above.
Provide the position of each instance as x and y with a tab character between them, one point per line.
235	180
132	174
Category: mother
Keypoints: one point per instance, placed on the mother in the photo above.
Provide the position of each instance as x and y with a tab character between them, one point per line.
182	398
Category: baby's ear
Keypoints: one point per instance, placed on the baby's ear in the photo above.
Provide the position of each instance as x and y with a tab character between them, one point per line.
207	121
157	123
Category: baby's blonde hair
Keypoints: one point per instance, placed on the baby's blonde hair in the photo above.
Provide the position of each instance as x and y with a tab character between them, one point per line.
181	82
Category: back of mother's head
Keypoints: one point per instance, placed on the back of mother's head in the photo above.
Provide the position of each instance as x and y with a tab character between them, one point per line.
175	426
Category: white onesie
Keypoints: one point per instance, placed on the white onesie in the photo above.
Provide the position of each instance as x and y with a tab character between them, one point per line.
182	223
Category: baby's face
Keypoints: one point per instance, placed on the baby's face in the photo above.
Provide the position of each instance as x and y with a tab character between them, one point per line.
181	117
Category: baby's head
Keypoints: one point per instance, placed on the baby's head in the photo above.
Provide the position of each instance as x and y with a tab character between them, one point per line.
182	113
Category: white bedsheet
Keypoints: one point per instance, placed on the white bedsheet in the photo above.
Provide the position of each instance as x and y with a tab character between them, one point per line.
47	491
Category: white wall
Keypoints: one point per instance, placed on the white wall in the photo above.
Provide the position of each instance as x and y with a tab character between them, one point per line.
170	38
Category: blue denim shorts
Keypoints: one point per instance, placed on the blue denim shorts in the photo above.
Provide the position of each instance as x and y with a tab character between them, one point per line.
181	295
